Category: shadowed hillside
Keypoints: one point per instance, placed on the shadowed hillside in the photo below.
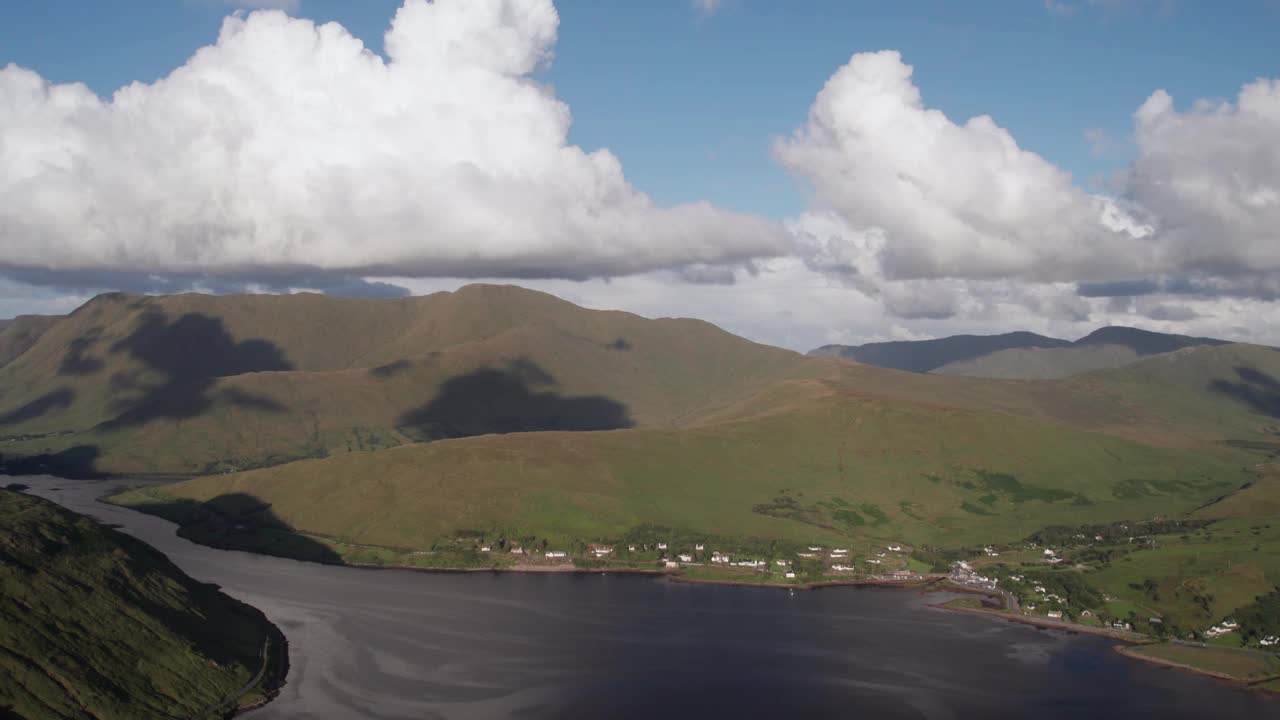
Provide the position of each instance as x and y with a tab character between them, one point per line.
926	355
98	626
505	401
193	383
1019	355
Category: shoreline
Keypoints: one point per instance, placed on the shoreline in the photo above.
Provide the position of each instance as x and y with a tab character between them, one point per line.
1173	664
927	583
1253	685
533	569
1048	624
815	585
670	575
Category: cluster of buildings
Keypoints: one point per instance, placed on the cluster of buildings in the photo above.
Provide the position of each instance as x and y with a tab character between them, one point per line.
962	573
839	558
1223	628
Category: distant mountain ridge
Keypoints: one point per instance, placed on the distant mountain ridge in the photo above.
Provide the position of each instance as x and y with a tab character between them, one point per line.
1018	355
926	355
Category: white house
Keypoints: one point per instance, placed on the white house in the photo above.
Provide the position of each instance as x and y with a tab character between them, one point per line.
685	558
791	576
672	564
840	568
631	548
873	561
699	547
517	550
662	546
486	548
557	554
1270	640
1055	614
780	563
895	548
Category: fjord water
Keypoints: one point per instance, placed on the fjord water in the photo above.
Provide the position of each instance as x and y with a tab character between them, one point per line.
400	644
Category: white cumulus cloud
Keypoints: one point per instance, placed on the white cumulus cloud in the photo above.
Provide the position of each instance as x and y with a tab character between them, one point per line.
951	200
903	192
288	146
1211	175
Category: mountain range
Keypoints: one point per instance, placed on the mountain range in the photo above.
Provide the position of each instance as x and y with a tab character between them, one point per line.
1017	355
382	431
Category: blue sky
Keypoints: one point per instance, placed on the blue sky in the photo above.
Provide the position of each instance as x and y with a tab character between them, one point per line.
690	102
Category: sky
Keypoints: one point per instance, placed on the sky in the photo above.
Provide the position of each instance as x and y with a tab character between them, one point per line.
799	173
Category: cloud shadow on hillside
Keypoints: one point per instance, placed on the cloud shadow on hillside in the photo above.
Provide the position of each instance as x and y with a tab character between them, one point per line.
191	353
512	399
1256	389
77	360
51	401
78	462
240	521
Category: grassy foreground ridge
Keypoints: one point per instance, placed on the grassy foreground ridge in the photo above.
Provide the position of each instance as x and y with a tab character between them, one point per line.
97	625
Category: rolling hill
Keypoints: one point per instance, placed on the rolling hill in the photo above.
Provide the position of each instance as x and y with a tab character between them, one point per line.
923	459
195	383
1019	355
97	626
927	355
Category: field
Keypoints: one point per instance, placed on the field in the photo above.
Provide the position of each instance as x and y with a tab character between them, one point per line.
1245	665
828	471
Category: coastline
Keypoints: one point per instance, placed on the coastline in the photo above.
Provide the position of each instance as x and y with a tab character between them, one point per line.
508	569
818	584
928	583
1128	652
1047	624
670	575
1260	685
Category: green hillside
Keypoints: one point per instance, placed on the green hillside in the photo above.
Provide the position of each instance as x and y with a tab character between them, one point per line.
97	625
835	466
1042	363
1017	355
856	456
194	383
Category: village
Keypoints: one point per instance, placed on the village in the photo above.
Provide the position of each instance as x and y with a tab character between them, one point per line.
1046	582
1039	579
700	560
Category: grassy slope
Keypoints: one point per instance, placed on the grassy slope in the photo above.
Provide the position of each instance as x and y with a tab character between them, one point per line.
1042	363
254	380
19	334
910	473
1241	664
97	625
198	384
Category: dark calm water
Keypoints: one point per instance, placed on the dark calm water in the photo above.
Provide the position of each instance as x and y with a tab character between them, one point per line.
400	644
